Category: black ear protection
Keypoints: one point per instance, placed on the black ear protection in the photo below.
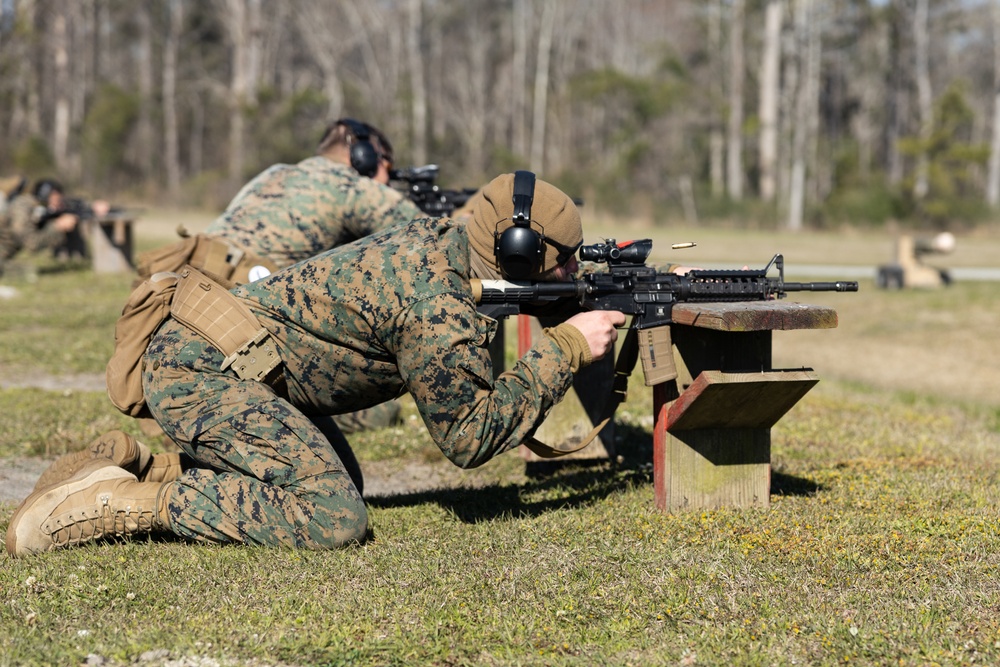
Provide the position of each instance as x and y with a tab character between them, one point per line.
44	188
519	250
364	157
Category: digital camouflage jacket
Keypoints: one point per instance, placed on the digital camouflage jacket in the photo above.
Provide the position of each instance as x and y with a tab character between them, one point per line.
288	213
19	228
366	322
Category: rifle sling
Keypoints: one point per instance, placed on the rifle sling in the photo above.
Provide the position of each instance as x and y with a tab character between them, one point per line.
627	357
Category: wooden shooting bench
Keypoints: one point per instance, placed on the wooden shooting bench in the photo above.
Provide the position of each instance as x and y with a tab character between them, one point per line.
111	244
712	438
712	425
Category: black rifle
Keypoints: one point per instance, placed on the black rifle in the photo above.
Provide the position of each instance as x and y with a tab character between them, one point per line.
426	194
631	287
76	207
80	209
635	289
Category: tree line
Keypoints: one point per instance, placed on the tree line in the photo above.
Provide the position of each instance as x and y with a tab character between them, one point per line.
789	112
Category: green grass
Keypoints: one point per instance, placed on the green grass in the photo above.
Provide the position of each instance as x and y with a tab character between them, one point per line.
61	322
880	546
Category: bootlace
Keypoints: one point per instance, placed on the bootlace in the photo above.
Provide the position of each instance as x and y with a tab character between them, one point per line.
103	519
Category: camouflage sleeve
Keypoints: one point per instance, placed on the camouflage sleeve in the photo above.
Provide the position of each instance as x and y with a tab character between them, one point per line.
16	225
9	243
441	352
379	206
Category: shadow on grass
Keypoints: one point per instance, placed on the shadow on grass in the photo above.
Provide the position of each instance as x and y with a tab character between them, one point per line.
791	485
566	484
551	484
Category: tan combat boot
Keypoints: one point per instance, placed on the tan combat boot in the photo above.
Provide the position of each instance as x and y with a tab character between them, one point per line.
162	468
100	500
116	446
125	451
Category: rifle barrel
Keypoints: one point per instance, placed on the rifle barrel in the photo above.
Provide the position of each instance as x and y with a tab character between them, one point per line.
839	286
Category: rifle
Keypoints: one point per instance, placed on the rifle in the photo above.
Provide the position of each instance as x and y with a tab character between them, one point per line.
426	194
632	287
80	209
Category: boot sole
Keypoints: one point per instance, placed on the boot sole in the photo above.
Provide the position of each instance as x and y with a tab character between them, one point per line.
40	504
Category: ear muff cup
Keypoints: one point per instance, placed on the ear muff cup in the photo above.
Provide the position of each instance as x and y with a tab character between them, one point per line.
519	252
364	157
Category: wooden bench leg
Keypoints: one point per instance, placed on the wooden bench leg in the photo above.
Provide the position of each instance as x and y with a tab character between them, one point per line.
111	246
712	444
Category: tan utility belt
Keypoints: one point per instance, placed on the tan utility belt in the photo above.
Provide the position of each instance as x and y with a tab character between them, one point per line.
204	306
208	308
224	262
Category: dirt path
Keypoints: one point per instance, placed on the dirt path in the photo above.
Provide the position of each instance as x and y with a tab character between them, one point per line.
383	478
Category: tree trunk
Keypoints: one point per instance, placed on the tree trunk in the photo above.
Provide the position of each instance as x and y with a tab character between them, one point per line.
236	24
60	56
716	137
897	98
419	92
145	150
520	20
769	91
315	24
734	165
924	98
993	178
243	23
545	29
803	104
171	140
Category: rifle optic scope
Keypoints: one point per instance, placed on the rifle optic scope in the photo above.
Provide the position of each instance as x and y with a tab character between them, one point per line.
626	252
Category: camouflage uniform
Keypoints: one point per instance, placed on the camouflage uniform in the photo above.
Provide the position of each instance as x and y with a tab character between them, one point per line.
355	326
289	213
19	229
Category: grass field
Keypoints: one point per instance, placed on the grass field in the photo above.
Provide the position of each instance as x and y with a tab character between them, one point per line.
880	546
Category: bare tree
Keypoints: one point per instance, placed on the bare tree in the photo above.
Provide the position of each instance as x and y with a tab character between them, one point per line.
144	70
171	133
468	86
808	90
549	9
318	23
23	84
769	94
924	98
734	139
242	21
716	141
521	33
417	87
59	44
993	177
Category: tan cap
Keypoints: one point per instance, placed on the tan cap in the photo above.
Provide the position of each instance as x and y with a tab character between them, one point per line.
553	214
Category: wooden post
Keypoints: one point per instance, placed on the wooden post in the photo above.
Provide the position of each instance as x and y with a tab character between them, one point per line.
712	441
111	245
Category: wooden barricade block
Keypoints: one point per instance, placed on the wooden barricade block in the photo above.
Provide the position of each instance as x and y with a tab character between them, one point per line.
718	448
712	436
111	245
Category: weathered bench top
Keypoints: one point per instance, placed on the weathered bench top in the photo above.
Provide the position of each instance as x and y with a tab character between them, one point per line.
754	316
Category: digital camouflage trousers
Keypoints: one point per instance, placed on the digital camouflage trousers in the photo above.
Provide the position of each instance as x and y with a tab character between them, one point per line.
265	475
